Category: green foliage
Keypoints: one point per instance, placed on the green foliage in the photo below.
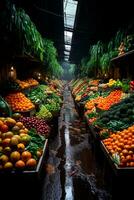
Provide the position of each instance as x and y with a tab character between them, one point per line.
105	63
27	32
22	31
119	37
100	54
50	53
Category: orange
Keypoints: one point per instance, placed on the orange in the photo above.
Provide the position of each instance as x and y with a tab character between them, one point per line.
26	155
20	164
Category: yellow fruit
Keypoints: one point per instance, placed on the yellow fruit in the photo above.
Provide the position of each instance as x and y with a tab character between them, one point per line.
23	131
0	141
19	124
25	139
18	137
6	142
38	154
10	122
21	147
8	166
14	141
7	150
15	156
23	134
4	159
8	134
1	148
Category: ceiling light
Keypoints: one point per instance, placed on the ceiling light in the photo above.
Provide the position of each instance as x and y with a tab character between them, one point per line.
68	47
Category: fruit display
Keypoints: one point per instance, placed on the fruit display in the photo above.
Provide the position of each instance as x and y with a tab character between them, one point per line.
19	102
32	82
27	83
16	142
44	113
53	98
22	84
104	103
120	145
39	124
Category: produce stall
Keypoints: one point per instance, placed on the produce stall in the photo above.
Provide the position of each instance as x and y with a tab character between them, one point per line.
108	111
30	103
28	118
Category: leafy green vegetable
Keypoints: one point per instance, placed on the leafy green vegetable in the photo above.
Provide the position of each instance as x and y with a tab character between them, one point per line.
36	143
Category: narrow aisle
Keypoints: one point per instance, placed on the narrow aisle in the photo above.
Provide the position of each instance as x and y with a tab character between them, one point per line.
80	164
71	167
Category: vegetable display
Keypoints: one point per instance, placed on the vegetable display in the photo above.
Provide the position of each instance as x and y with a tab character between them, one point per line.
36	144
44	113
37	95
119	116
53	108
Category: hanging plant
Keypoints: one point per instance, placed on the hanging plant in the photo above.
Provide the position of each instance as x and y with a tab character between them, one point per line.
105	63
50	53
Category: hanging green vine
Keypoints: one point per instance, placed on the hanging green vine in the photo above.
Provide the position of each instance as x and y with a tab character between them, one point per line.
22	31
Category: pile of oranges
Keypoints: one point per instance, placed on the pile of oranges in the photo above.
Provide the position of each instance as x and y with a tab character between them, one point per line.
19	102
122	143
32	82
27	83
104	103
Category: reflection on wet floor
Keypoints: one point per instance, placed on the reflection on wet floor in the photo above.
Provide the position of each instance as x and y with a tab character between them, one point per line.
71	167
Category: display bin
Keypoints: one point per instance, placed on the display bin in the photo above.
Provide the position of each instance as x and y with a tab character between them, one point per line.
27	183
119	171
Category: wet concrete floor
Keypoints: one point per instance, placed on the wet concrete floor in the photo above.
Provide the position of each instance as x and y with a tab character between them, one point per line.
72	171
